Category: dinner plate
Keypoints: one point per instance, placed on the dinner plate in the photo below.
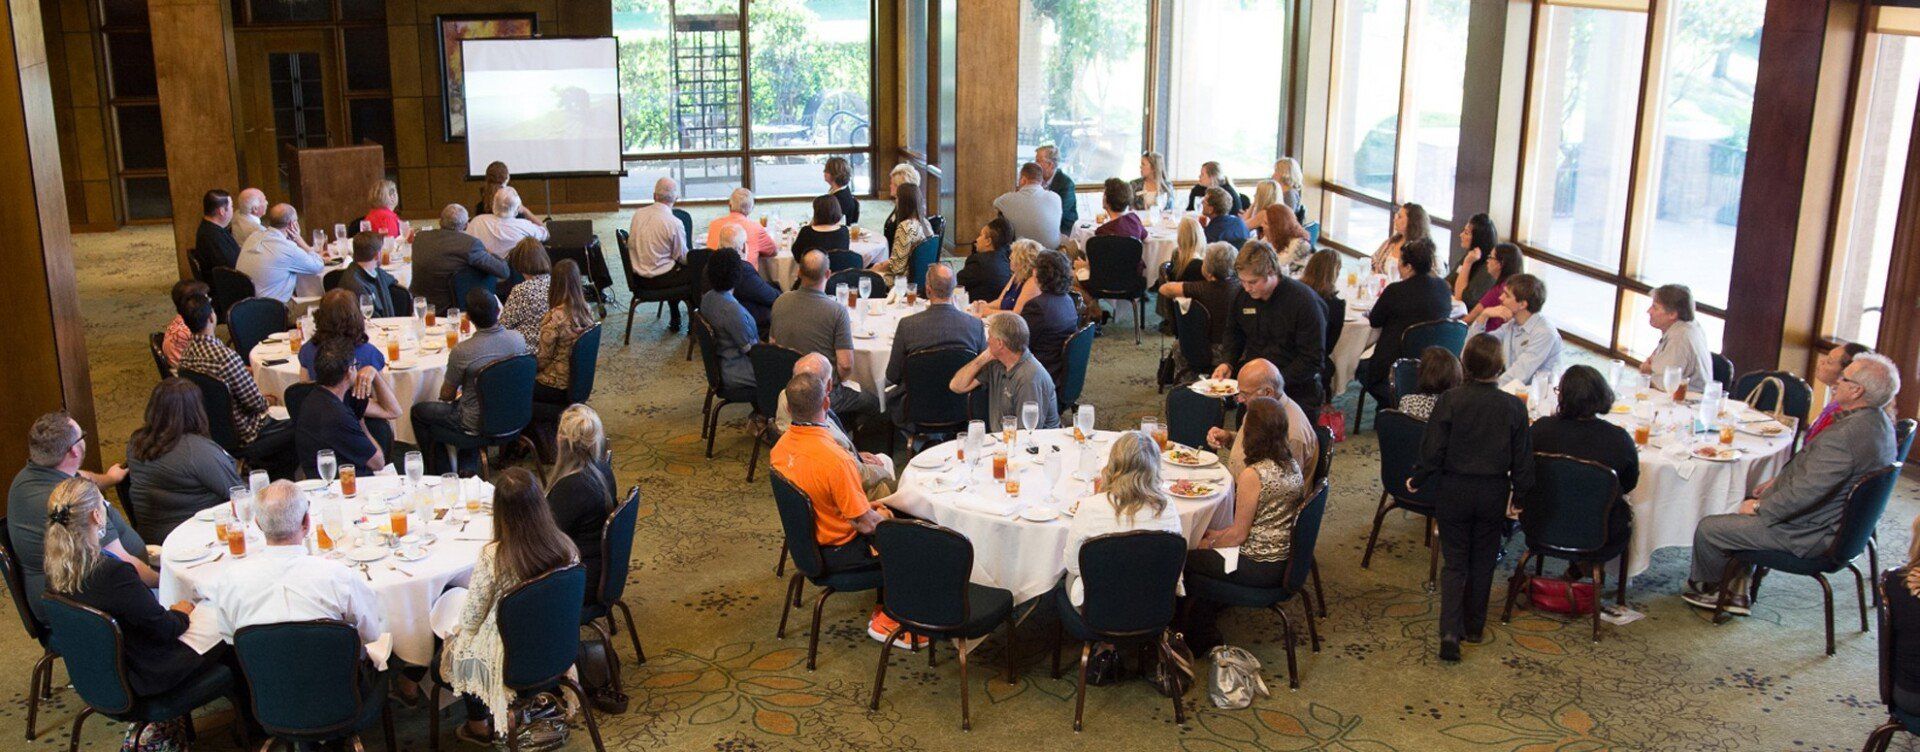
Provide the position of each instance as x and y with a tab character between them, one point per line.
208	514
365	554
188	554
1039	513
1217	388
928	459
1763	430
1720	454
278	336
943	484
411	553
1199	457
869	334
404	364
1196	489
311	485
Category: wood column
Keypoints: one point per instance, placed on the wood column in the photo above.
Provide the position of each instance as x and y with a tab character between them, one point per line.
987	109
44	342
193	60
1792	41
1900	322
1486	165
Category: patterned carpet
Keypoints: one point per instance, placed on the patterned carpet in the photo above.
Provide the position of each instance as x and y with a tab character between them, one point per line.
718	679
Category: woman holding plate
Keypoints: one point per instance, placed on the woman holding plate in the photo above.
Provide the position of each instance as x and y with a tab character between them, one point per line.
1267	497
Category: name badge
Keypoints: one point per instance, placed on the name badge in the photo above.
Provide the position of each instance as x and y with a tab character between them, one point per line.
1248	311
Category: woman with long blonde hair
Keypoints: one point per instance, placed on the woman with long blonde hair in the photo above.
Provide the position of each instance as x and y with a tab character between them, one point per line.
580	490
1129	497
1292	180
1152	190
1189	245
1020	257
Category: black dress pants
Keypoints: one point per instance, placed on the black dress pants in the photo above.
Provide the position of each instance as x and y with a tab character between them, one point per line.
679	276
1472	513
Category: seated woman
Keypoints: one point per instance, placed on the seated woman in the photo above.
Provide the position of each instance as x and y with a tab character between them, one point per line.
839	176
911	227
1215	290
155	659
1273	220
174	468
1501	265
1050	314
734	330
1409	224
526	544
1130	498
1189	248
1439	371
526	304
1292	180
1471	279
826	232
1267	497
1322	274
1020	259
1579	429
1827	371
580	490
381	202
1152	190
1222	222
371	396
752	291
565	319
1902	592
902	174
1210	178
988	270
1117	199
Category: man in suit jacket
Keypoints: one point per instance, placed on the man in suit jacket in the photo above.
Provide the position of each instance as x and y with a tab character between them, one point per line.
437	254
1799	511
365	277
941	325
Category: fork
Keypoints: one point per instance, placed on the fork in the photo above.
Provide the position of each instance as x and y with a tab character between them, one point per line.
365	573
216	557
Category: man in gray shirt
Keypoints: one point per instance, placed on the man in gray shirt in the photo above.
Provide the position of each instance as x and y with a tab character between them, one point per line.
1033	210
941	325
1683	344
437	254
55	447
457	414
1010	373
811	322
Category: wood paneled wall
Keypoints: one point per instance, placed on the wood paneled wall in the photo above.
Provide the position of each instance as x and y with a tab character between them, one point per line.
987	107
46	363
193	60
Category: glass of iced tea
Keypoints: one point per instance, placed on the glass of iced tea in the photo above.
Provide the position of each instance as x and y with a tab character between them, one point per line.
397	519
393	348
348	484
294	340
999	465
427	315
1642	433
1009	429
323	537
222	527
1726	434
466	324
913	293
453	337
237	540
1013	486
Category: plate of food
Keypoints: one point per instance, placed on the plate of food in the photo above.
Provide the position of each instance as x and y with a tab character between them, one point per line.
1767	429
1193	489
1621	408
1714	453
1039	513
1188	456
1217	387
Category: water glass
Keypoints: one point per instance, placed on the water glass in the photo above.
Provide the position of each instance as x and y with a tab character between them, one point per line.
1150	425
366	226
1029	416
1009	430
1669	378
328	466
366	306
257	480
840	291
1083	420
420	307
866	287
236	497
340	232
320	240
416	466
976	440
406	229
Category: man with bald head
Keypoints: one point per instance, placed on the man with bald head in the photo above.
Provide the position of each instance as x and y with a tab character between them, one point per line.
248	208
441	252
273	261
1032	210
942	325
1259	378
876	470
657	247
810	321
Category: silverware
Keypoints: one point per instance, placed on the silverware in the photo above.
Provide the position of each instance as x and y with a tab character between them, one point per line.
396	568
216	557
365	573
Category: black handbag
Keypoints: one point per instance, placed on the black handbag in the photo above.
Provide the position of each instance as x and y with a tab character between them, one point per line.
1103	666
600	676
1172	676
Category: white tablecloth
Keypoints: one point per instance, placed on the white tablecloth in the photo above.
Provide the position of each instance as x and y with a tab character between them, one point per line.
779	269
418	383
1024	557
405	599
1162	239
873	342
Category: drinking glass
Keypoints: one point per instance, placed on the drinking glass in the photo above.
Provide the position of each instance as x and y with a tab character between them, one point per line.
366	306
976	439
406	229
913	293
1083	421
419	306
866	287
328	466
416	466
319	240
1029	417
257	480
236	496
340	232
366	226
840	291
426	314
1009	430
1149	425
1669	378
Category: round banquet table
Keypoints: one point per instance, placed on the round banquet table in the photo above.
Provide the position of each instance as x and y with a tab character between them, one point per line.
406	593
1161	239
1009	551
1677	490
275	367
779	268
873	329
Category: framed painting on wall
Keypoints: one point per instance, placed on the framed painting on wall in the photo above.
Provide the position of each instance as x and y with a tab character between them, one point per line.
449	30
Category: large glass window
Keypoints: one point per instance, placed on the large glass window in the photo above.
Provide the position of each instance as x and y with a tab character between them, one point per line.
1364	126
1878	158
1082	83
1225	106
1581	161
1436	72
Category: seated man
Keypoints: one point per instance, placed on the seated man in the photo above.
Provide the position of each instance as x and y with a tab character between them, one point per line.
365	277
326	422
809	320
206	355
759	244
1030	209
439	253
941	325
657	247
55	447
1277	318
1530	342
1799	511
283	583
1259	378
876	470
458	411
213	241
1010	373
750	289
273	260
808	456
503	229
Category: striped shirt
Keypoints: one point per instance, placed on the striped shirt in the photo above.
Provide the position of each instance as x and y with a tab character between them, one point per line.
211	357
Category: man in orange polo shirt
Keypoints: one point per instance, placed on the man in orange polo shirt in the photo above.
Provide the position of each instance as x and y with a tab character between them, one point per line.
808	457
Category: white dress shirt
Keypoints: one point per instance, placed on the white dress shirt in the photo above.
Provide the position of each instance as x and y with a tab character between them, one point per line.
244	226
655	240
500	235
275	264
284	583
1531	348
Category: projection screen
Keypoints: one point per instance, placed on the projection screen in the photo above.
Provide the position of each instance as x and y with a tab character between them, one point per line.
546	107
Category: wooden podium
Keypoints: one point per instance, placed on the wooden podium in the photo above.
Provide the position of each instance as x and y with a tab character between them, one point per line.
331	185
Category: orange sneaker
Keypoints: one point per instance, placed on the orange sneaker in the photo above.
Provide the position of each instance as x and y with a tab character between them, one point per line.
882	625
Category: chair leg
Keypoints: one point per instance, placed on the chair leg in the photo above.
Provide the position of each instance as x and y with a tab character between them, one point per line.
629	338
74	744
1379	516
586	709
1513	586
966	713
1622	598
433	716
753	458
1873	562
813	637
780	563
1860	587
386	725
513	729
1166	660
1826	592
1313	630
1319	595
1011	652
1079	696
1286	636
1599	575
1053	646
39	683
1881	737
633	632
787	604
880	676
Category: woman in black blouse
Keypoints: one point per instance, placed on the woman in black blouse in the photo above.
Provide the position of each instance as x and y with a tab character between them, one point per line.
1901	588
839	177
1578	430
580	491
1476	454
826	233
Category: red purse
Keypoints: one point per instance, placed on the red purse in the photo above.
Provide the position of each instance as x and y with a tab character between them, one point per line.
1334	421
1558	596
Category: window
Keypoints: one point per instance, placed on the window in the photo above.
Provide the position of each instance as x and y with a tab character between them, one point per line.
1226	106
808	74
1878	158
1436	71
1082	82
1581	161
1364	125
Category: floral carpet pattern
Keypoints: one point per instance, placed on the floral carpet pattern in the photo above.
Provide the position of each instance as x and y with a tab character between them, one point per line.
707	599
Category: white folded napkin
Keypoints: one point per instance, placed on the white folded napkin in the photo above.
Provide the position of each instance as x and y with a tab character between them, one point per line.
1229	558
1683	462
203	629
379	650
479	529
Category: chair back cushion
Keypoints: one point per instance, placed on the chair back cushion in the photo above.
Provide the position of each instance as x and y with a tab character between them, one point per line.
1324	467
1571	503
877	285
219	404
1190	331
1406	377
402	299
1113	267
465	279
1130	579
616	549
228	286
1723	371
11	573
251	320
304	676
1775	391
539	624
89	641
796	523
840	260
585	361
156	346
626	260
296	396
709	351
1190	414
923	256
924	568
772	368
696	264
506	395
686	224
1079	359
1902	439
1400	435
929	404
1306	534
331	280
1451	335
1866	501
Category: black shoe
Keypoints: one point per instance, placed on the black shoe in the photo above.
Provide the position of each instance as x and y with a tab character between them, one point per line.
1475	638
673	327
1450	651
